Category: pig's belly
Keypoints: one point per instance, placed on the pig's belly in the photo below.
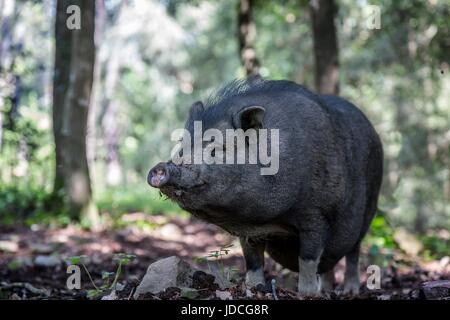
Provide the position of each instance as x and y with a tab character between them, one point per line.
254	230
285	250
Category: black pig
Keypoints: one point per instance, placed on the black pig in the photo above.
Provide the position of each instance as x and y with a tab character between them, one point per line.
318	206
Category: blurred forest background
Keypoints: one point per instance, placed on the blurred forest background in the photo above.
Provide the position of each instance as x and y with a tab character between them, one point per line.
85	113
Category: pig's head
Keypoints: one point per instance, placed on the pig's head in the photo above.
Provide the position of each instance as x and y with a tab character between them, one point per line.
212	191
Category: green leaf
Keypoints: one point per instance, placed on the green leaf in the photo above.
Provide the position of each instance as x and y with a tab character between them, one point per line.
188	293
107	275
374	250
93	294
76	259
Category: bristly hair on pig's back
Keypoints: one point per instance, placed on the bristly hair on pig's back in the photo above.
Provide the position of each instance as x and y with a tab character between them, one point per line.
231	89
255	84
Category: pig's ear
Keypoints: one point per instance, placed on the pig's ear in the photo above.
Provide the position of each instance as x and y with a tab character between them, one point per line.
249	117
196	109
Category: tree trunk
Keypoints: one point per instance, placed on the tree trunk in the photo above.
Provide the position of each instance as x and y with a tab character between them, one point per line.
63	52
109	122
326	58
9	51
1	123
91	138
73	79
110	109
247	38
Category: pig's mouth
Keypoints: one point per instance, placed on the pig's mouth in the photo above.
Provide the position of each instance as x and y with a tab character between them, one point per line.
176	182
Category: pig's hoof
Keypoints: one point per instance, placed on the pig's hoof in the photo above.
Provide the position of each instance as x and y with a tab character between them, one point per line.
308	279
327	281
351	288
309	289
308	292
254	278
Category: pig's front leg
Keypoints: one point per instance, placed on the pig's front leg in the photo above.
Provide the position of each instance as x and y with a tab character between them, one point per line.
254	261
312	240
308	279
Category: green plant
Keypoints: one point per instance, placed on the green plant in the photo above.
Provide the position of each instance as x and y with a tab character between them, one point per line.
379	241
217	256
122	259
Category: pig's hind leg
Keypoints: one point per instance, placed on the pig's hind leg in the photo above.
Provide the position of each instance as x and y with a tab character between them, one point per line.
284	251
327	281
253	251
351	278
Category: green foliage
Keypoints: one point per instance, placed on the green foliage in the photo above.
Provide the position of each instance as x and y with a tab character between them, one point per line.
118	201
30	205
435	246
380	240
381	234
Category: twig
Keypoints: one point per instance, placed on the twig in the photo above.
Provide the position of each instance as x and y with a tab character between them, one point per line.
27	286
274	293
119	269
90	278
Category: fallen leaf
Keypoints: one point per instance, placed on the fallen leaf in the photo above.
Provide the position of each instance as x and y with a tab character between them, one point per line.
111	296
224	295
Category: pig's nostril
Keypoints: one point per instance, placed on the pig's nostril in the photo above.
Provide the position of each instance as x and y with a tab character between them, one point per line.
158	176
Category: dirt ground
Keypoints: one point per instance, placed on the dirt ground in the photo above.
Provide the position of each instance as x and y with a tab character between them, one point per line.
33	263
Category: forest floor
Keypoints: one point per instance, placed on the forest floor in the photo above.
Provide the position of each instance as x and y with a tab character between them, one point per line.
33	263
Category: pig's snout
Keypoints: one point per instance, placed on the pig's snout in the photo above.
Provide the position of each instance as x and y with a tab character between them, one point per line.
158	175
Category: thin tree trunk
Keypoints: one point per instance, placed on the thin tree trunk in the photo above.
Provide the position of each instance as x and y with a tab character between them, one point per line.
71	110
110	127
326	55
63	53
91	138
109	123
9	51
2	4
5	50
1	123
110	110
247	38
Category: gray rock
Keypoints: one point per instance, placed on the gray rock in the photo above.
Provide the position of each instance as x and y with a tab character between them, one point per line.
165	273
42	248
9	246
435	290
46	261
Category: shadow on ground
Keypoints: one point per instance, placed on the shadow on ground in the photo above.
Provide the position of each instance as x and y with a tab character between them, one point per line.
33	260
